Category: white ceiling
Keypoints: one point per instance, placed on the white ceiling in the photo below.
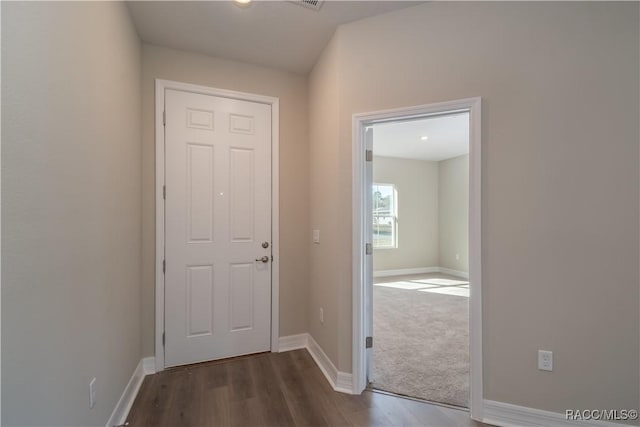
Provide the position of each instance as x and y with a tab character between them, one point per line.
277	34
448	136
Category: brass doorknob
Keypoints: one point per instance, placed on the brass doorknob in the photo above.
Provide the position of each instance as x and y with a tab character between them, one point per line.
263	259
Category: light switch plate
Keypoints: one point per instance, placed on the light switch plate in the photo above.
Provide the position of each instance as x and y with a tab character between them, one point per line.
545	360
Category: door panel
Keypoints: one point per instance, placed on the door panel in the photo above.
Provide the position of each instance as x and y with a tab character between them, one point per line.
199	300
200	192
218	212
242	285
242	194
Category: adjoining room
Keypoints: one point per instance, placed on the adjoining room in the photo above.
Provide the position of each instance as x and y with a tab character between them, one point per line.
421	258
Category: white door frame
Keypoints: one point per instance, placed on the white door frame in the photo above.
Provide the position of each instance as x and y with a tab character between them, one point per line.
161	87
360	190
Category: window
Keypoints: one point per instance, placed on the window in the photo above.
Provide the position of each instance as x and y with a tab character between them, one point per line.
385	216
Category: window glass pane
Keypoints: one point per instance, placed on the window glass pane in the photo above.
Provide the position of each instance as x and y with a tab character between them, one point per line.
384	216
383	231
383	203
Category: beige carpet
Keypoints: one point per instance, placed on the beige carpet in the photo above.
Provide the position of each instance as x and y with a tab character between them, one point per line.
421	337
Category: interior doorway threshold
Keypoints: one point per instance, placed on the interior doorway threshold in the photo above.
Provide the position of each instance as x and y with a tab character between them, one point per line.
417	399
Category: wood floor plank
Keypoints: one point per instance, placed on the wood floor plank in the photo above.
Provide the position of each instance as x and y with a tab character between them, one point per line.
304	409
217	374
142	401
184	401
437	415
374	417
263	374
216	409
269	390
273	389
157	401
240	381
303	360
324	396
247	412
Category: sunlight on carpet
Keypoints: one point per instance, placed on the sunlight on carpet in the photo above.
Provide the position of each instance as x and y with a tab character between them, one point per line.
421	336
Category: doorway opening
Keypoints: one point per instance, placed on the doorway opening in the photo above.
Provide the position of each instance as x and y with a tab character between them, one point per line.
417	287
420	198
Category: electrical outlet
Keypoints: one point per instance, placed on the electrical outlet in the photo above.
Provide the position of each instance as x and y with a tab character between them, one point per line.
545	360
321	315
92	393
316	236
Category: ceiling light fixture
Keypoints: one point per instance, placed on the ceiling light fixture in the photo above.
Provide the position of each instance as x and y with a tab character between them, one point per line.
242	3
424	138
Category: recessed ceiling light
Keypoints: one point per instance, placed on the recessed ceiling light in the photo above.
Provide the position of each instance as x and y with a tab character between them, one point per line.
242	3
424	138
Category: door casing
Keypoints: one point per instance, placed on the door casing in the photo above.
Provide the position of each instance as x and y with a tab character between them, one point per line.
161	87
360	263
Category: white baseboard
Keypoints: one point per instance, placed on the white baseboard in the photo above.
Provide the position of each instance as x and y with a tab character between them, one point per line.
405	271
344	383
339	381
451	272
149	365
421	270
293	342
508	415
119	415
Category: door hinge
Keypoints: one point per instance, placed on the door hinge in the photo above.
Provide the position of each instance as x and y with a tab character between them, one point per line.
164	118
164	192
368	342
368	249
369	155
163	339
164	266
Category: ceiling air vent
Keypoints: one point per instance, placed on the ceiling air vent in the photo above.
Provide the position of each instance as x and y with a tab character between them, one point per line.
309	4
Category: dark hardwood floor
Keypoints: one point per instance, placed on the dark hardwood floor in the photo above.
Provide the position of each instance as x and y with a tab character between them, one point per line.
272	389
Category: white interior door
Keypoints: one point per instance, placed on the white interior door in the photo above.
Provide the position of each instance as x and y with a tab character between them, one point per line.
217	224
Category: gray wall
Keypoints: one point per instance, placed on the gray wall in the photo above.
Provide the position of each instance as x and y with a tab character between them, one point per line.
416	183
70	210
326	270
453	208
433	213
560	194
559	83
291	89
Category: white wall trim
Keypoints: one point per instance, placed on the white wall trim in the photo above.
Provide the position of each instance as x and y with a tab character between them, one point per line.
344	383
161	87
405	271
339	381
359	260
508	415
149	365
451	272
122	408
293	342
421	270
322	360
